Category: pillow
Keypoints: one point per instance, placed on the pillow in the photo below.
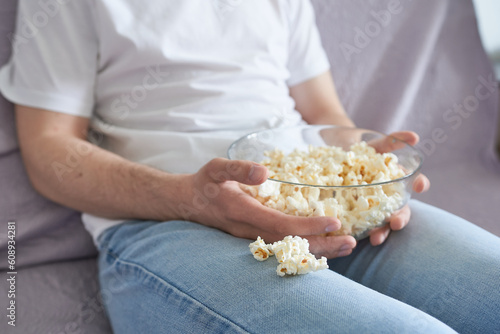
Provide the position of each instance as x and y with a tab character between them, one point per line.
45	231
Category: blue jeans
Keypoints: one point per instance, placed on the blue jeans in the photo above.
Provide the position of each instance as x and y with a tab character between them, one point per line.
440	274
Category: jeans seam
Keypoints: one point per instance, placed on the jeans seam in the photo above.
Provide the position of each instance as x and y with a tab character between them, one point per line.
174	287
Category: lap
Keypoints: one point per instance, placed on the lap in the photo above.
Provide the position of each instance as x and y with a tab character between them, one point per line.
440	263
180	274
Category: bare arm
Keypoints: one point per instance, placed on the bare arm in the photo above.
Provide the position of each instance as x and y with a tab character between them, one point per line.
318	102
66	168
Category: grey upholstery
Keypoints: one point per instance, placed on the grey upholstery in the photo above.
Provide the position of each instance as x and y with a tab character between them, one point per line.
58	297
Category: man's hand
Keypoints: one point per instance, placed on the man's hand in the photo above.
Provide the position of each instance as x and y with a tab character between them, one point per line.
215	199
318	103
400	218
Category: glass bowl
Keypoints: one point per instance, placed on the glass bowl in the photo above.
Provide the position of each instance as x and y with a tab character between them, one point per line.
346	202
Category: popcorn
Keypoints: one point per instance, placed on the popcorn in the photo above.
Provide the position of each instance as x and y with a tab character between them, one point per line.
260	250
301	265
287	268
288	247
269	189
297	204
357	208
292	254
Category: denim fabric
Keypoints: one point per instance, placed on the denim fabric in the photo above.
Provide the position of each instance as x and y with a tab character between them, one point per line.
182	277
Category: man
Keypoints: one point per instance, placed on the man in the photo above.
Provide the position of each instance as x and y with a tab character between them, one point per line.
164	87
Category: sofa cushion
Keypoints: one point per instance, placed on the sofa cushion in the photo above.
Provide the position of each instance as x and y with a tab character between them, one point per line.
57	298
45	231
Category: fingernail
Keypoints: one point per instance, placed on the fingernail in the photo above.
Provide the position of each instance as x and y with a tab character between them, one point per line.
345	247
344	253
331	228
257	173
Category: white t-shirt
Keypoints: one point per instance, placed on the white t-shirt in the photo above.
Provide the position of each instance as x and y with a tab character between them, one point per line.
166	83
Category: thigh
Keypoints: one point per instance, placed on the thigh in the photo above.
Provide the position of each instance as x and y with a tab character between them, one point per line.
183	277
440	264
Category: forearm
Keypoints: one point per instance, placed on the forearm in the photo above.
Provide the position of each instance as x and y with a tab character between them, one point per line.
82	176
318	102
332	116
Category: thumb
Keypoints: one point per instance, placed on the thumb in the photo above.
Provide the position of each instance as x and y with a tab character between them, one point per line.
389	144
247	172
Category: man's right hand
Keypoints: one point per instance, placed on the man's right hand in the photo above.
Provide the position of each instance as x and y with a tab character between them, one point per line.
214	198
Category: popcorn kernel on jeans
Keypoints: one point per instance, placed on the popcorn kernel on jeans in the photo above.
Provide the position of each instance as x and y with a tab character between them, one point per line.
292	254
260	253
260	250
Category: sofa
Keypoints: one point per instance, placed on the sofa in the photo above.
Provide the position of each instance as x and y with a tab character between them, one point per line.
397	64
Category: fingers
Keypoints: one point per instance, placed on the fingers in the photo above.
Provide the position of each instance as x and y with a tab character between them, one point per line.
312	228
281	224
247	172
400	218
244	216
397	221
272	225
331	246
408	137
379	235
388	144
421	184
